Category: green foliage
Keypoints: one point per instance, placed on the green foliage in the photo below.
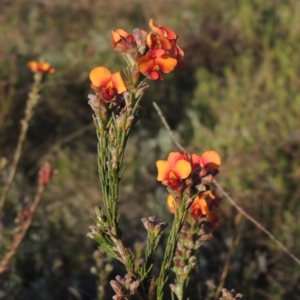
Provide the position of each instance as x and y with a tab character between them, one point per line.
238	95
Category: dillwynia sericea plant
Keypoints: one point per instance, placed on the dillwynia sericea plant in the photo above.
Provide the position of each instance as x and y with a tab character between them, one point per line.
116	105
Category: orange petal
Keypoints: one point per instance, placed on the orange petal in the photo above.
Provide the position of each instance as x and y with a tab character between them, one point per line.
174	157
163	42
51	70
179	54
150	40
204	207
116	35
155	27
158	41
162	30
44	67
196	160
201	204
211	160
100	76
163	167
145	65
118	82
166	64
154	75
182	168
170	202
33	65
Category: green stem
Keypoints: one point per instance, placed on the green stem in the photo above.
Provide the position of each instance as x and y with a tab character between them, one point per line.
180	213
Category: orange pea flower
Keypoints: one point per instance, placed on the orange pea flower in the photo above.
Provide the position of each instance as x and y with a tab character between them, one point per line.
210	160
201	207
162	30
38	67
155	61
166	32
173	170
158	42
122	40
170	202
108	84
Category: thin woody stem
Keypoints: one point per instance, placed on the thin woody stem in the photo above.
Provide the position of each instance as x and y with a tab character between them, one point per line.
30	105
235	242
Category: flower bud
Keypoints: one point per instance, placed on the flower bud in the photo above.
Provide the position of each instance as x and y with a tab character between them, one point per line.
176	261
112	134
191	245
118	288
173	287
154	224
94	229
180	246
230	295
186	227
192	260
129	121
133	287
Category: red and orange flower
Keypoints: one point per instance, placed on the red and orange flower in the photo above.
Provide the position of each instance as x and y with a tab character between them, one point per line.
182	171
210	160
163	30
180	166
40	67
174	51
123	41
204	205
105	83
172	171
155	41
151	53
155	61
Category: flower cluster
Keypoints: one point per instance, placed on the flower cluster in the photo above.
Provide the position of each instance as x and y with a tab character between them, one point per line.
124	287
191	174
40	67
106	84
147	54
204	205
184	170
151	53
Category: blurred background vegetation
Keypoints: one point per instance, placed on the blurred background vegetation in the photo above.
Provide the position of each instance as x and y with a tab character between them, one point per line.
239	95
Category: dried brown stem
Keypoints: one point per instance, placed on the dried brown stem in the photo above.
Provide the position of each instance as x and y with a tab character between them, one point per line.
15	162
31	103
23	229
226	267
227	196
